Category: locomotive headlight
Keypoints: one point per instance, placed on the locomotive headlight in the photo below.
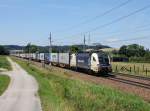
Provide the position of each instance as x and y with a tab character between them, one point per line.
98	65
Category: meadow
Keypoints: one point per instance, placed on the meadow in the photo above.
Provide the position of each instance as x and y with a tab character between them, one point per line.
4	63
58	92
141	69
4	82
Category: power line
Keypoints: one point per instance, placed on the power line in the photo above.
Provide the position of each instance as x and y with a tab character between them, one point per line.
115	21
119	19
101	15
121	33
138	29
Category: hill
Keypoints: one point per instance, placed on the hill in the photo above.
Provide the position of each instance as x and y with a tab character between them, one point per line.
64	48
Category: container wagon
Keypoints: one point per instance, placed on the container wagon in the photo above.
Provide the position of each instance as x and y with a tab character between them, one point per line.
73	61
54	59
64	59
47	57
41	57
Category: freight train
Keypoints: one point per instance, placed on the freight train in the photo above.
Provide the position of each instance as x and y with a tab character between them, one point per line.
96	62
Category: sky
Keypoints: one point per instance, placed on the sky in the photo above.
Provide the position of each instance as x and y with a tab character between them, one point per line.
24	21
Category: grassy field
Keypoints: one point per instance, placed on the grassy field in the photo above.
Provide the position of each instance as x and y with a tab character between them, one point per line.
4	63
142	69
60	93
4	82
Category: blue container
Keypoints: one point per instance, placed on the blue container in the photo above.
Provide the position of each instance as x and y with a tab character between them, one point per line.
47	57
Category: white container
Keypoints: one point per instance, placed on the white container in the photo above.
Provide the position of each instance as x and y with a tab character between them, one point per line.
73	60
54	57
41	57
34	56
64	58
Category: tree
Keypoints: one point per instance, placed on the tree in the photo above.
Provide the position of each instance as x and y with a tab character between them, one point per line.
123	50
147	54
74	49
3	50
31	48
133	50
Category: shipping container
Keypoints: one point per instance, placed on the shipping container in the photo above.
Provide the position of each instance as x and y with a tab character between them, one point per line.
54	58
38	56
41	56
83	60
64	58
47	57
23	55
34	56
73	61
26	55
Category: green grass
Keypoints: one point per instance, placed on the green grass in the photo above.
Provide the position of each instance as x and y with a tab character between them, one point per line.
60	93
4	82
4	63
136	68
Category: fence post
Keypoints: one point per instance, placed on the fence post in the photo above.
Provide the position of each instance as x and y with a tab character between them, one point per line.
143	67
116	68
138	70
130	69
146	71
134	68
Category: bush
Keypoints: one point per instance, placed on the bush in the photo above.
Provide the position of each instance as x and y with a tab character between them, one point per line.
3	50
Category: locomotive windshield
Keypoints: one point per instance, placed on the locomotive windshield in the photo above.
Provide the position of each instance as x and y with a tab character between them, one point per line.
103	59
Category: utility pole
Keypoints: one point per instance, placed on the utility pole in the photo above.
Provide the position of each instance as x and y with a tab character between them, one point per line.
89	40
50	43
84	43
29	44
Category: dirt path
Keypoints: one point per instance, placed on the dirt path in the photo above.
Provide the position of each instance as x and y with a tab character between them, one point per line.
21	94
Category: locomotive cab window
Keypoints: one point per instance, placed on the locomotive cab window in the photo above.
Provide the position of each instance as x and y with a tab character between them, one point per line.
94	59
104	59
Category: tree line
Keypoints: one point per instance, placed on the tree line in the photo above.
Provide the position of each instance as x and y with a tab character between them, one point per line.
3	50
135	53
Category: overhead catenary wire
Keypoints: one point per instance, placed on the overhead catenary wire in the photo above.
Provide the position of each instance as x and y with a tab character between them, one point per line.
119	19
120	40
122	33
99	15
138	29
113	21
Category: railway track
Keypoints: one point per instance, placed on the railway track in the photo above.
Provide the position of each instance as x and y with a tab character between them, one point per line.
131	80
137	81
132	76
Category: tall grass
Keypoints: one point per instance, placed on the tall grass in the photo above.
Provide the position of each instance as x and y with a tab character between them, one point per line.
4	81
4	63
142	69
60	93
